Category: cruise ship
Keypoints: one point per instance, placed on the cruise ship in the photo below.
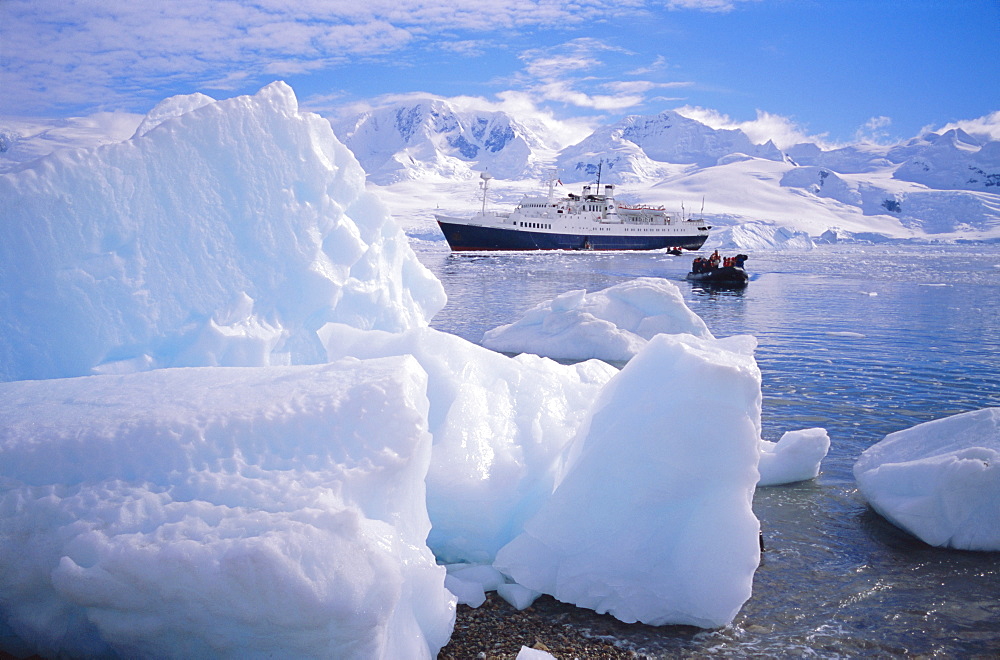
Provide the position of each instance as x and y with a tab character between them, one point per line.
592	220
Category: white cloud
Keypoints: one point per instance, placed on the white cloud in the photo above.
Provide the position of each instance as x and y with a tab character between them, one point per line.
705	5
783	131
658	64
122	52
874	131
641	86
987	126
569	74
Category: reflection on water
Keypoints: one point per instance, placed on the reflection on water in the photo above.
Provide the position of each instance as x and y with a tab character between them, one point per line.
863	341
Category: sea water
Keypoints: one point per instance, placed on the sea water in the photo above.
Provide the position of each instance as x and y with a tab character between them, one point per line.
860	340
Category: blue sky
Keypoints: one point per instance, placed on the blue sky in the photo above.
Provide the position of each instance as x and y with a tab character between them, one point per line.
835	70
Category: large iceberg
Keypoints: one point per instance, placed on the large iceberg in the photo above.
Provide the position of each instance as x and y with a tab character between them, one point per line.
652	520
612	324
221	512
223	233
939	480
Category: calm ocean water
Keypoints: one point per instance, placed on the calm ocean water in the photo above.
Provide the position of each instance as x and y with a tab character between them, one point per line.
861	340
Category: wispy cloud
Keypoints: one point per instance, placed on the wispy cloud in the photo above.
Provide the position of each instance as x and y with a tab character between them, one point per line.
705	5
55	53
575	73
783	131
987	126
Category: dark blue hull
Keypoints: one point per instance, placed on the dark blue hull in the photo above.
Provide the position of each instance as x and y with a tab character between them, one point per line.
471	237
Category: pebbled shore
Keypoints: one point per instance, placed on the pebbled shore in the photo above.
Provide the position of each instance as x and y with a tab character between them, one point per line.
497	631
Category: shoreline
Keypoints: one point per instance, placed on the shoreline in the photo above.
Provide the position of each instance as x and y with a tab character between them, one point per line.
497	631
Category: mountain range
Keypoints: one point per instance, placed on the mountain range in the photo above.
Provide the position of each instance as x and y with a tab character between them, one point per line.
937	186
424	155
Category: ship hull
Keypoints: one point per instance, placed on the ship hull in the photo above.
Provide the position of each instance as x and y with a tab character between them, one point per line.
466	237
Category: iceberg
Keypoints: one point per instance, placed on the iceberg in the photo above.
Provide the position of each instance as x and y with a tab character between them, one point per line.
613	324
221	512
939	480
222	234
796	456
651	519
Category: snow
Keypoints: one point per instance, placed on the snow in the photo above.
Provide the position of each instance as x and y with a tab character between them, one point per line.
939	480
651	520
225	234
613	324
221	512
758	236
25	139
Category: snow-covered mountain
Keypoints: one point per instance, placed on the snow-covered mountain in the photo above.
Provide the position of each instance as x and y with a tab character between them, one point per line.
936	186
432	138
642	147
425	154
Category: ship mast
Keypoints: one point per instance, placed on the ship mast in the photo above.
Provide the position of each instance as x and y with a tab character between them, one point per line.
485	176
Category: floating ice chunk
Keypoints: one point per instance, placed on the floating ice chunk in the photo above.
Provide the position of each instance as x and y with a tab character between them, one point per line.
612	324
795	457
652	520
939	480
221	512
528	653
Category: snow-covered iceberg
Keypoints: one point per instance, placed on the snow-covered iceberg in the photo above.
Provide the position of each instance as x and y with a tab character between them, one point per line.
652	520
939	480
612	324
221	512
222	233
